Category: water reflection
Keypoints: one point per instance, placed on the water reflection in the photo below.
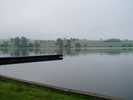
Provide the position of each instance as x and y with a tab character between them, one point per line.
90	69
67	51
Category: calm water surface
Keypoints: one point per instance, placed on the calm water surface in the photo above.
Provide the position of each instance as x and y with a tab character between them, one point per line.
107	72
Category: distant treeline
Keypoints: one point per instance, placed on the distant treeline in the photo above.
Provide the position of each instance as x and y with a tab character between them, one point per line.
19	42
72	43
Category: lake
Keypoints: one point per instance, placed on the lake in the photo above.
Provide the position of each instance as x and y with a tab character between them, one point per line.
103	71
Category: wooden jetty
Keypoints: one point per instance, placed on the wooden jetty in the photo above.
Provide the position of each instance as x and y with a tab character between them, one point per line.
27	59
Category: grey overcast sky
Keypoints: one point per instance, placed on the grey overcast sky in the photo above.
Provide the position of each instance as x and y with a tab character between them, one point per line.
49	19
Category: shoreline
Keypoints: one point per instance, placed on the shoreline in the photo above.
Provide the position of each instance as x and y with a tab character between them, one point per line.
55	88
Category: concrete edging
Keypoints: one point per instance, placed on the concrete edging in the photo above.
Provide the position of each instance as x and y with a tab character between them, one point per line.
61	88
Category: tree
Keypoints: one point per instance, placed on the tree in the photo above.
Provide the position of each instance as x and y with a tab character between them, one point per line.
16	42
78	45
5	44
24	42
59	43
68	44
30	45
36	44
113	40
20	42
85	46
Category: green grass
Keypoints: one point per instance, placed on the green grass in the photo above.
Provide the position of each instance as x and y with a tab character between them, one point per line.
12	90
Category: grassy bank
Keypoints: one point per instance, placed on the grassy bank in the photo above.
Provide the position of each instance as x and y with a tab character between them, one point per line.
12	90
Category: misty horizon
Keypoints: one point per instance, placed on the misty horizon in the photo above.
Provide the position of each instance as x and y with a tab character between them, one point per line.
52	19
100	39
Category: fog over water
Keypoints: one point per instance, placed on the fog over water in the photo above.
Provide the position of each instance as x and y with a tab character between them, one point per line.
49	19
